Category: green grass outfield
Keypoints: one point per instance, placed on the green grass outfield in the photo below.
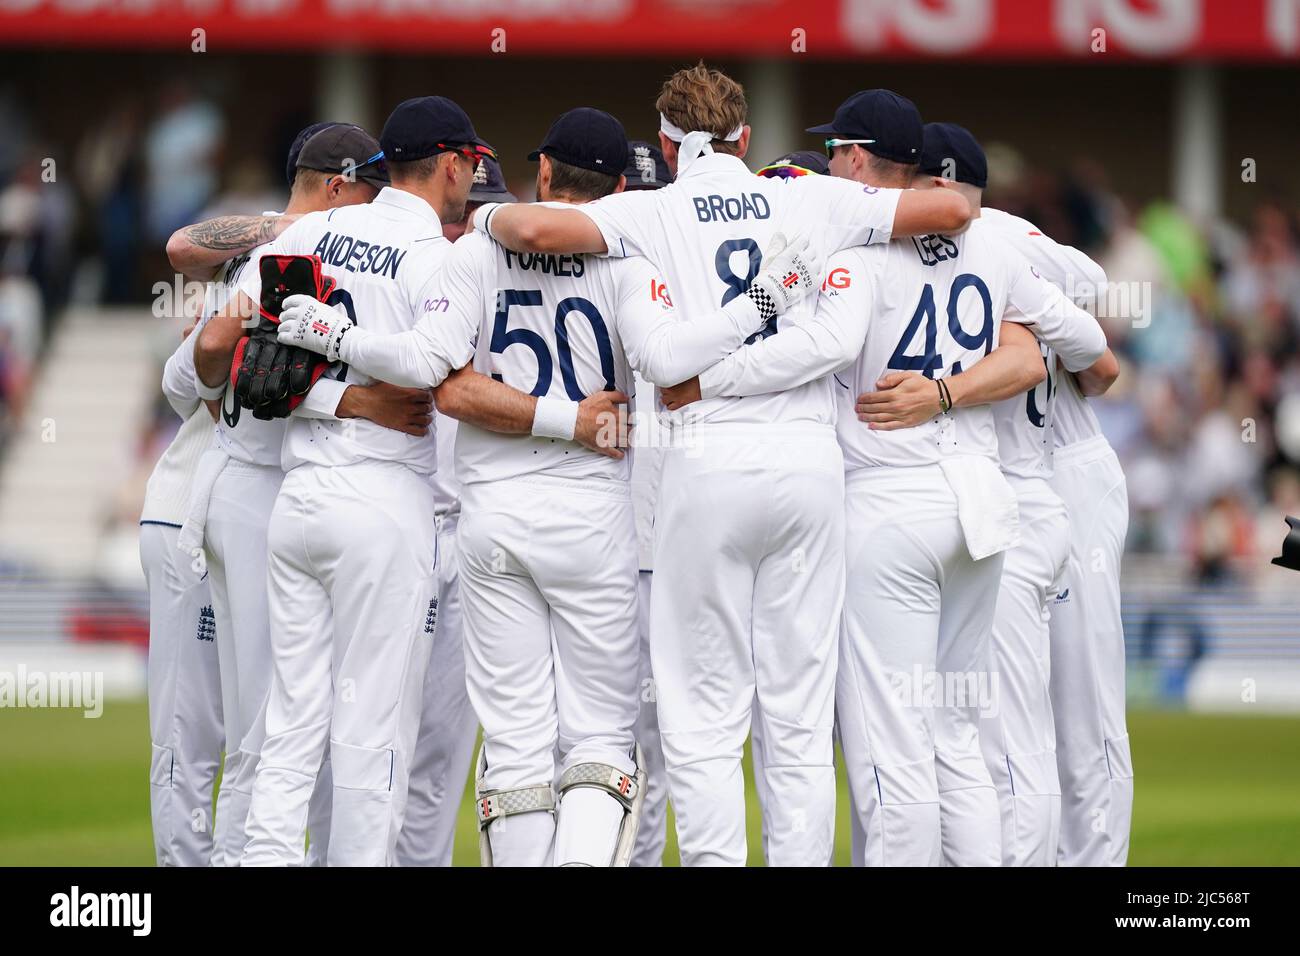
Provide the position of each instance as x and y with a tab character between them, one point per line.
1211	790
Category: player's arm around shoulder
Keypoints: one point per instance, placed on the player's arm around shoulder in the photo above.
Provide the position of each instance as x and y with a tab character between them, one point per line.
199	250
529	227
922	212
1074	333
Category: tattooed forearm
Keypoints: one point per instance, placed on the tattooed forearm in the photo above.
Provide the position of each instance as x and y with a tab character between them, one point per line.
199	250
234	233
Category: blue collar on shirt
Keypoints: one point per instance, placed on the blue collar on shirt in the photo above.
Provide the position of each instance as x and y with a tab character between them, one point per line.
408	202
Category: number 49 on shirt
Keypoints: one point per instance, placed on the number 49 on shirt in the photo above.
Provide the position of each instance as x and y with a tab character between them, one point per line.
929	360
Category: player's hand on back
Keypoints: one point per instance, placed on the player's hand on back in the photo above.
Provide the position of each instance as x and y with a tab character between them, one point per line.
408	410
602	423
791	270
676	396
902	400
311	324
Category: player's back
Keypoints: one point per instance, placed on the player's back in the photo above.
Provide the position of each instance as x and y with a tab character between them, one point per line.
383	256
936	308
548	327
707	232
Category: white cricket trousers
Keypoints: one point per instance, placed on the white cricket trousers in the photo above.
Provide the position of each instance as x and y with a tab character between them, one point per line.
1092	746
749	584
185	726
914	668
445	746
1016	733
234	542
353	587
549	589
652	835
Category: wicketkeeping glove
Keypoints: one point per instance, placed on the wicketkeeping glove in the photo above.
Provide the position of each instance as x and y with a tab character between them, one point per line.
311	324
270	378
790	271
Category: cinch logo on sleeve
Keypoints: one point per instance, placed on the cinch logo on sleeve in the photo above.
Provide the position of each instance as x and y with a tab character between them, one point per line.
437	305
103	909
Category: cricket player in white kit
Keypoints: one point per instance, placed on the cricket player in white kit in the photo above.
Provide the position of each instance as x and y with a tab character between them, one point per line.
1087	635
239	478
352	567
448	725
547	535
184	680
928	514
646	169
749	533
185	726
1016	732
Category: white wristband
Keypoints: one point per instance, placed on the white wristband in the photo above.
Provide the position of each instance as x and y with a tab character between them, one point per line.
555	418
208	393
481	216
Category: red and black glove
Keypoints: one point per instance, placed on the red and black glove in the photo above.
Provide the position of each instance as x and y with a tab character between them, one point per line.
269	378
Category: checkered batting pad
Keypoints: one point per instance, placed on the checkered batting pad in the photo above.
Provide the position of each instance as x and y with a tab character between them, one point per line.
602	775
504	803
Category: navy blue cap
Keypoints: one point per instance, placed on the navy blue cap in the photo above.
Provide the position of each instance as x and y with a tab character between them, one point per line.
890	122
490	183
952	152
425	126
304	134
797	164
646	168
587	138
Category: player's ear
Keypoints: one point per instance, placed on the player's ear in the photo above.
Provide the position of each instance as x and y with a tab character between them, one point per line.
447	165
622	184
543	176
742	144
669	149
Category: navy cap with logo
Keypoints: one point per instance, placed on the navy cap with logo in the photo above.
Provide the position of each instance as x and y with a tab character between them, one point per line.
425	126
490	183
304	134
881	121
646	168
344	148
952	152
587	138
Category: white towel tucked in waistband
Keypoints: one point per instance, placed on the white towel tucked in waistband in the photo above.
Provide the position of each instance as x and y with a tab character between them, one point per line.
986	504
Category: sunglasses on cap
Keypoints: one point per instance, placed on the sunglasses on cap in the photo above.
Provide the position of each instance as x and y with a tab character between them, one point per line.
832	142
785	171
376	160
474	152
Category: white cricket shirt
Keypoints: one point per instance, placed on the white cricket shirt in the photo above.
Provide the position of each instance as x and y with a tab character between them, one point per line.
384	257
707	231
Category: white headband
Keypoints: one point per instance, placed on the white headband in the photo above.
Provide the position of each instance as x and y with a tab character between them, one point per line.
677	134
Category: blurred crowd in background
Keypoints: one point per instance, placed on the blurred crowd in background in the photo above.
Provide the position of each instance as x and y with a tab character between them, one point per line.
1205	417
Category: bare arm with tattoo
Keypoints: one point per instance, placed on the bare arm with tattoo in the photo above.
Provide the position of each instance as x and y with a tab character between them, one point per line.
198	251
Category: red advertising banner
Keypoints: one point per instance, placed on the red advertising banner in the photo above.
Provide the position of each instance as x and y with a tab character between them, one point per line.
903	29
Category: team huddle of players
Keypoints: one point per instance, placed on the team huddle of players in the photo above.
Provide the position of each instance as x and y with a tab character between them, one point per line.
863	499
